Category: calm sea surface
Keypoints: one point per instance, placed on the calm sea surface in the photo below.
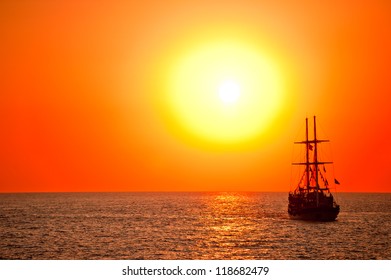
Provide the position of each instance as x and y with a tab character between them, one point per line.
188	226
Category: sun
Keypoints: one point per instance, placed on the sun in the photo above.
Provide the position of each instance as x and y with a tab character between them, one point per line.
223	93
229	91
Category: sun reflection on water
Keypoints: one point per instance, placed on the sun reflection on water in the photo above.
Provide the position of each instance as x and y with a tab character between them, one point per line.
231	223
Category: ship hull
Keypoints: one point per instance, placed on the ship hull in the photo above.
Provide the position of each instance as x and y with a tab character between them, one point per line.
325	214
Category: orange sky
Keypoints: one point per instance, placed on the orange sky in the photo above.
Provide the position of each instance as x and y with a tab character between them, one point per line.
82	87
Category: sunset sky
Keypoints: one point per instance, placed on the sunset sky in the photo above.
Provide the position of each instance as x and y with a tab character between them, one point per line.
191	95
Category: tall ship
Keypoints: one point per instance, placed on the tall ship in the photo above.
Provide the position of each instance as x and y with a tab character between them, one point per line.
312	199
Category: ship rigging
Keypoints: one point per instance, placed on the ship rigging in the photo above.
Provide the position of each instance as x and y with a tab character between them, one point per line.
310	200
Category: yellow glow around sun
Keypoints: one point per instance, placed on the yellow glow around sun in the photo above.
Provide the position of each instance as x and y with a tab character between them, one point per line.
224	92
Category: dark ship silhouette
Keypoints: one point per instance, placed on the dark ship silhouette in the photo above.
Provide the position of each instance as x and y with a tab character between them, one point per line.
310	201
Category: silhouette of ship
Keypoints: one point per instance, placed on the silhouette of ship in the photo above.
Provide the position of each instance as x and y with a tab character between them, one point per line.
310	201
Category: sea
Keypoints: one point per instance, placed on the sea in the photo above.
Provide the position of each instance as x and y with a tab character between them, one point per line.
189	226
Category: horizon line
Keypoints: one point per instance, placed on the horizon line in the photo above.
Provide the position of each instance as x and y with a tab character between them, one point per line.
217	191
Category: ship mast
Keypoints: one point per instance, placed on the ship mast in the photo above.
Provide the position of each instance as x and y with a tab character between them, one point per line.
316	164
307	163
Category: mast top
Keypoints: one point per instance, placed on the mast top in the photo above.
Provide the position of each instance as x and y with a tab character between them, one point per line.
314	140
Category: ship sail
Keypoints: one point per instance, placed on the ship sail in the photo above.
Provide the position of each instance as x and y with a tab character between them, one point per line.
311	200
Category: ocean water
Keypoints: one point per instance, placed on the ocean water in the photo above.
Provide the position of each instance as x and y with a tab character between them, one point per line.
188	226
